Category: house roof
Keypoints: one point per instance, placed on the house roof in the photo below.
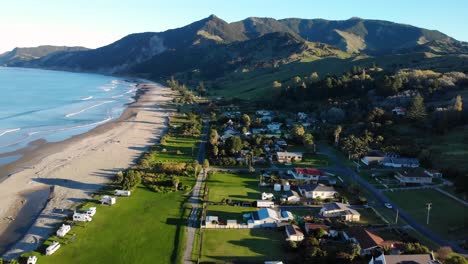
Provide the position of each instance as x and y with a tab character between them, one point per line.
375	153
286	214
294	230
289	153
316	188
409	259
364	237
340	206
413	173
291	193
313	226
402	161
265	213
310	171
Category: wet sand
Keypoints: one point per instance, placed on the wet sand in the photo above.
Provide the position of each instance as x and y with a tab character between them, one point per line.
79	166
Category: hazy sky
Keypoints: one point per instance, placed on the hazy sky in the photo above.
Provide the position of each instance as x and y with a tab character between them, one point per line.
94	23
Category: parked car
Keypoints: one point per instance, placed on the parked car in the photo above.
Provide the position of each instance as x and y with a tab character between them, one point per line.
389	206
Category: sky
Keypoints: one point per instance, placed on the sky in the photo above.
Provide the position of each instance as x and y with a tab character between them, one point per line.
95	23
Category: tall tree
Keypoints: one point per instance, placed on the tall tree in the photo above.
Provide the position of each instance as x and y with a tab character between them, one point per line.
213	137
458	105
417	110
337	133
246	120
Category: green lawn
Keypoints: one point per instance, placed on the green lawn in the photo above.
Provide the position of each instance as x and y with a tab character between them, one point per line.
242	245
447	216
176	149
147	227
310	160
241	187
369	217
226	212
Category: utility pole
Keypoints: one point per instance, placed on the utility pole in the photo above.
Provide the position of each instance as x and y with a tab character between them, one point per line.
429	207
396	218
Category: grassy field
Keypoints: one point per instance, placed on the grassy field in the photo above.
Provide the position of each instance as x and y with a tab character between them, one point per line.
451	150
226	212
241	187
447	216
176	149
242	245
147	227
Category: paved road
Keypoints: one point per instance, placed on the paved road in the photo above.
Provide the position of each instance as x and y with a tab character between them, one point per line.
346	171
194	200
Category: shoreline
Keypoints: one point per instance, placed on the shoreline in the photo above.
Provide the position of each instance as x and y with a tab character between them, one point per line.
36	150
82	164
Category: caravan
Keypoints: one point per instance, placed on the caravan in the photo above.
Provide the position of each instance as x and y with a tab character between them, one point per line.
52	248
122	193
81	217
106	199
63	230
91	211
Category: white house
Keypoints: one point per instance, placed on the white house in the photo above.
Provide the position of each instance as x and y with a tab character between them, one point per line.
341	210
307	174
294	233
265	204
373	157
63	230
317	191
52	248
267	217
413	176
433	173
288	156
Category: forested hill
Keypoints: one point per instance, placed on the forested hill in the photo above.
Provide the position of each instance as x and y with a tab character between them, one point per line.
215	40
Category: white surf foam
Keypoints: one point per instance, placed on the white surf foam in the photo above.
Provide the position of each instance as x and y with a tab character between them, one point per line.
86	98
88	108
2	133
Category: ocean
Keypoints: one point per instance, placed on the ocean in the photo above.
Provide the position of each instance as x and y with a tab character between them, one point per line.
55	105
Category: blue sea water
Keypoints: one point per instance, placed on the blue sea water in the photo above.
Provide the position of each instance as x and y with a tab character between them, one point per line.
54	105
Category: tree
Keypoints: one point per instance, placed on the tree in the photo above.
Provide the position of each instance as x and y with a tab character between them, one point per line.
444	253
246	120
234	144
456	259
131	179
319	233
458	105
337	133
314	76
206	164
417	110
213	137
308	139
119	177
201	88
196	166
355	146
298	131
215	151
277	84
175	182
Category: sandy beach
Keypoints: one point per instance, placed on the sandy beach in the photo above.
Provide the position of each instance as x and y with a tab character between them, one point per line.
81	165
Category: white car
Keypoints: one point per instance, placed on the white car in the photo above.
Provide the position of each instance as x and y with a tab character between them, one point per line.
389	206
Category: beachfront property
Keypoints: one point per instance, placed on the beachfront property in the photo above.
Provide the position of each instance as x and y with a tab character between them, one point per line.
416	176
291	196
314	191
294	233
341	210
288	156
307	174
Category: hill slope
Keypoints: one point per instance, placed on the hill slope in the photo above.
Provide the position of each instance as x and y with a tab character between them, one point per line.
21	55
